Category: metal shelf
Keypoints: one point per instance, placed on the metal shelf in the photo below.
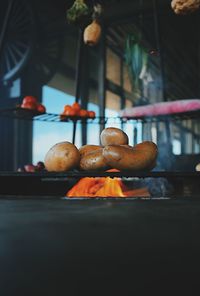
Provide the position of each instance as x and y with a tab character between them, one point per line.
27	114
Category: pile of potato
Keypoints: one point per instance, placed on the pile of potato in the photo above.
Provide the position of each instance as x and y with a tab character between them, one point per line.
114	152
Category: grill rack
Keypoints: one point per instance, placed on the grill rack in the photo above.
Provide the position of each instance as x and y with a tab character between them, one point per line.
171	184
122	174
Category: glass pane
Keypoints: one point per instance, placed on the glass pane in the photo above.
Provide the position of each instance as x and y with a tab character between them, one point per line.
93	129
112	109
47	134
113	67
129	104
127	82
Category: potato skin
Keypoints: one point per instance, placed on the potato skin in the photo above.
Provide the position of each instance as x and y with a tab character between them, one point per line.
141	157
88	148
113	136
197	168
93	160
127	146
62	157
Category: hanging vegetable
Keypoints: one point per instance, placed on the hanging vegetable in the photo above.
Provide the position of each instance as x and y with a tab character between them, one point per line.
77	12
136	59
185	6
92	32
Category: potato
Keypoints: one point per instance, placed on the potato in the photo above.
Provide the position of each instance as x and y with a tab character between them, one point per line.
197	168
93	160
88	148
62	157
113	136
141	157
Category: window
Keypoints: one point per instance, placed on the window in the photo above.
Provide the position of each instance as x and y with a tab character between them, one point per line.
113	67
47	134
93	129
176	144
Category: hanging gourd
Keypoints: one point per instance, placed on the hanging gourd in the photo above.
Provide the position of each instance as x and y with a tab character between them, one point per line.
92	32
77	12
185	6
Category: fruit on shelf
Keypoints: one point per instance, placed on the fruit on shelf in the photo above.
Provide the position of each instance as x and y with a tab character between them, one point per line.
76	110
76	106
29	105
31	102
69	111
31	168
91	114
41	108
29	99
40	166
83	113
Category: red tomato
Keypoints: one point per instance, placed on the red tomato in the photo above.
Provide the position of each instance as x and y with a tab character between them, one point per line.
31	106
70	112
83	113
41	108
30	168
76	106
67	107
91	114
29	99
40	166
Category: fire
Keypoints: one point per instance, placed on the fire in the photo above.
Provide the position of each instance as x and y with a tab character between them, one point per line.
104	187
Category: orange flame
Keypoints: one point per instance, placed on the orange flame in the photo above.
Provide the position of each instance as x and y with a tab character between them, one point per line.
96	187
104	187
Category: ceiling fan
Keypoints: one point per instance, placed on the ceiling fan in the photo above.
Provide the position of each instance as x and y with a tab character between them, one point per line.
28	37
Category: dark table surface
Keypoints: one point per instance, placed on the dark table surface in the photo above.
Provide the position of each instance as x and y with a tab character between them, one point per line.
99	247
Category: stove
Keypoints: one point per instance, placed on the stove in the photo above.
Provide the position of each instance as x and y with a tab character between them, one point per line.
159	184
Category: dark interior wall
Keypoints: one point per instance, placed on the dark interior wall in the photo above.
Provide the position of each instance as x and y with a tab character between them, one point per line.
6	130
31	46
180	50
175	41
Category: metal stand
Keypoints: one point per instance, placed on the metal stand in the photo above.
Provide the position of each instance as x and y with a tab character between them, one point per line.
74	131
78	79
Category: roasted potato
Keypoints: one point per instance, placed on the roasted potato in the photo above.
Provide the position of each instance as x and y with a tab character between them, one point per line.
113	136
140	157
93	160
88	148
62	157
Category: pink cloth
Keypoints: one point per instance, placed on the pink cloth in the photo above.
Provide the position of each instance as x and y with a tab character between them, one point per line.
164	108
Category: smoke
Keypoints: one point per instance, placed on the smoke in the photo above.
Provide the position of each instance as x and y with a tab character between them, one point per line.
159	187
